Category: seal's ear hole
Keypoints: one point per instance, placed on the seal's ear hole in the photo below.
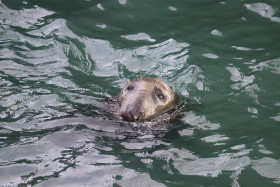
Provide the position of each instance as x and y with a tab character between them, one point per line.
130	87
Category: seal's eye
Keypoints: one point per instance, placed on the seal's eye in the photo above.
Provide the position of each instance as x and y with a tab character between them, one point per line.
161	96
130	87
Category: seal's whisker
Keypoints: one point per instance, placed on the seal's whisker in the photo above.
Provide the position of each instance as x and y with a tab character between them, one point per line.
140	71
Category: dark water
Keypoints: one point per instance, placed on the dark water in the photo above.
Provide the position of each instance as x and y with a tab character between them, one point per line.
59	59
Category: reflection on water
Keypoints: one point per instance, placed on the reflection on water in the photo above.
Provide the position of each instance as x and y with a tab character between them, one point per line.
60	60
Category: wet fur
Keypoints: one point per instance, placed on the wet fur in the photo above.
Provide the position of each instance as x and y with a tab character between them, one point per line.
145	99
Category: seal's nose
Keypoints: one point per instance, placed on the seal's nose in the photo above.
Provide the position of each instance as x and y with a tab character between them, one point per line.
132	114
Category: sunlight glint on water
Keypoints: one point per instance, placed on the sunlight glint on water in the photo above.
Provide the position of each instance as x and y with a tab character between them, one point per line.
59	60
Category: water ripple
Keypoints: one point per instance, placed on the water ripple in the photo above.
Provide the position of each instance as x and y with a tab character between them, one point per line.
60	59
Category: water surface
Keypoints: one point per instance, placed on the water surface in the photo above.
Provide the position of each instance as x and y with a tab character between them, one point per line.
59	60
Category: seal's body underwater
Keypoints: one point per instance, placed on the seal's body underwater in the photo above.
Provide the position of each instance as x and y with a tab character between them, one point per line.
145	99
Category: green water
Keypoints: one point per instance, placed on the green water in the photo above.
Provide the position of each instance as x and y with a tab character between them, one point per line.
59	60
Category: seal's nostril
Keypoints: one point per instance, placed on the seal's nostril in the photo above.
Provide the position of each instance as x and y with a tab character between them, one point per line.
131	115
141	116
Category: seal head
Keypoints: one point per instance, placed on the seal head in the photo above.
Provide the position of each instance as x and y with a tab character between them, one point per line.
144	99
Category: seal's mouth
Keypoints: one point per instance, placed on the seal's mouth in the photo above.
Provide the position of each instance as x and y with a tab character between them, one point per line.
142	109
138	114
133	114
132	118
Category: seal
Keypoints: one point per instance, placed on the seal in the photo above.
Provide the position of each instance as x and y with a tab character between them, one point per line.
144	99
